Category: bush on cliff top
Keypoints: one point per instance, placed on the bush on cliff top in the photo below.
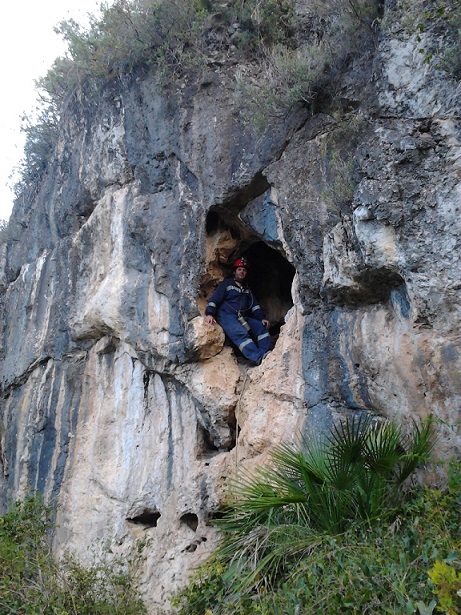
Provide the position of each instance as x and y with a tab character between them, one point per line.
300	53
169	36
172	38
32	582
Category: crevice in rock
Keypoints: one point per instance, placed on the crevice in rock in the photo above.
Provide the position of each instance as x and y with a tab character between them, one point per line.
234	429
145	382
206	447
194	545
191	520
148	518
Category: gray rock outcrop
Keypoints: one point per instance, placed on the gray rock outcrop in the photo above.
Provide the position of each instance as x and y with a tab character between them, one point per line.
117	401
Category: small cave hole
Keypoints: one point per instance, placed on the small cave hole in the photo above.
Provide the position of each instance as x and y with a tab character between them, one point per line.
215	515
148	518
191	520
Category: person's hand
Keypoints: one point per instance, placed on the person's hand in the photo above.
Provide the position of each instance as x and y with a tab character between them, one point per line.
266	323
209	320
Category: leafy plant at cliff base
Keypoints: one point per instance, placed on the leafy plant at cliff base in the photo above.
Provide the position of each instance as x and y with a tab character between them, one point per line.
321	524
32	582
446	581
354	473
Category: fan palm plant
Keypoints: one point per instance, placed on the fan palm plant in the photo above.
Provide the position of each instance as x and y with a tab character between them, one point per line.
321	486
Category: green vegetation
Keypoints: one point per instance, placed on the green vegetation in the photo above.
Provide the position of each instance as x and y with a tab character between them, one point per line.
335	527
353	474
32	583
295	75
337	149
168	36
438	16
291	59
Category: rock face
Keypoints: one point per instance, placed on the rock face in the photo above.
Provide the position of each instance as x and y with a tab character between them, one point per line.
119	403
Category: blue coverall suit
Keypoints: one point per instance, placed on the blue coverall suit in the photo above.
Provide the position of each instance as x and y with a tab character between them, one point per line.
226	304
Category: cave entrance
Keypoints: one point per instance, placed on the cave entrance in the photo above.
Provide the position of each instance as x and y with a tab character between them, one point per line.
270	275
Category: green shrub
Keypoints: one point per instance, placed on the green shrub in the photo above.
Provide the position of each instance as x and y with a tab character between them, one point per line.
268	23
41	138
443	18
293	76
381	568
171	38
289	78
31	582
283	522
125	35
446	581
337	149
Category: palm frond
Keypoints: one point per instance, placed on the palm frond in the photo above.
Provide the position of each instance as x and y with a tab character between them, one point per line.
420	445
315	489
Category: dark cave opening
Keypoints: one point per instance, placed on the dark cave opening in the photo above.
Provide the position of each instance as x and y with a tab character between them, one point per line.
270	275
191	520
148	518
205	444
208	445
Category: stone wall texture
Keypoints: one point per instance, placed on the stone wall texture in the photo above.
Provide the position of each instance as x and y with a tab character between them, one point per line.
118	403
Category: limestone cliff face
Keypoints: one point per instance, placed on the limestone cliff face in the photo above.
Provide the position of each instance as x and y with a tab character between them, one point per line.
117	400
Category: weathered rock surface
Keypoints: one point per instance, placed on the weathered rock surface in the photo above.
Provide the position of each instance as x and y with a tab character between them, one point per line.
117	400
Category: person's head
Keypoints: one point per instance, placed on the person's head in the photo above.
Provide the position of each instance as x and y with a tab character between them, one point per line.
240	269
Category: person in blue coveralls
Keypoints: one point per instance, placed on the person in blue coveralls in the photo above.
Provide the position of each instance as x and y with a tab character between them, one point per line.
235	308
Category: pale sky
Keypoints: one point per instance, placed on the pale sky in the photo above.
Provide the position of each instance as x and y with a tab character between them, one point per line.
28	46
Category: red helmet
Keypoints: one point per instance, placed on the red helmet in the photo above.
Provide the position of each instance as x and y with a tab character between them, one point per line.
241	262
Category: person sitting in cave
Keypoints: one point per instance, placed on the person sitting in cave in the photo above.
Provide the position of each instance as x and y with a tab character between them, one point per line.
234	307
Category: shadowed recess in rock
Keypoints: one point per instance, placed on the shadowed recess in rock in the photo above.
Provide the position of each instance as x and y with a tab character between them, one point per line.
191	520
373	286
148	518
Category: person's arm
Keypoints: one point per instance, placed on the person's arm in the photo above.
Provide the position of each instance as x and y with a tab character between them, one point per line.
257	313
214	302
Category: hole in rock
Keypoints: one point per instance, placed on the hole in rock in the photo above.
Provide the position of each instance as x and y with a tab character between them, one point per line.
234	429
191	520
270	275
148	518
215	515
